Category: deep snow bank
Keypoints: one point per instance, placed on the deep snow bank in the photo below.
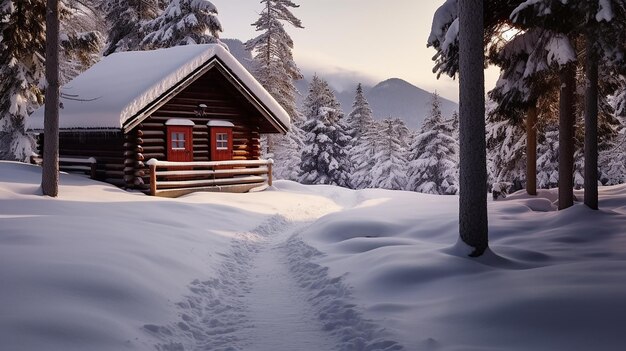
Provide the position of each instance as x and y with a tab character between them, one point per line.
98	267
551	281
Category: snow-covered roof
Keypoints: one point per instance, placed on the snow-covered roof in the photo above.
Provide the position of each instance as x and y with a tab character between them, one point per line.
121	87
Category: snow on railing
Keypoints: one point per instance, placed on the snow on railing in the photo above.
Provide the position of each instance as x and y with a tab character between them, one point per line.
172	176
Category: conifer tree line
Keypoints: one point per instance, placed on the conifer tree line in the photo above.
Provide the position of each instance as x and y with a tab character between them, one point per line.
556	116
358	152
552	42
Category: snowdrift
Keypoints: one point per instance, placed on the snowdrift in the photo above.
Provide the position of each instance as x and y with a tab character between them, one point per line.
104	269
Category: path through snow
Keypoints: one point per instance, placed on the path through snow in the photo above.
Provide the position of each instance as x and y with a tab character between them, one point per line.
270	295
278	308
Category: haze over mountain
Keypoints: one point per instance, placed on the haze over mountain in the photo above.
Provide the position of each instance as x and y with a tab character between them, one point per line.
393	97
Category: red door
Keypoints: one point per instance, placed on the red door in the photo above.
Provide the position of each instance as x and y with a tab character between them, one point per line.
180	143
221	143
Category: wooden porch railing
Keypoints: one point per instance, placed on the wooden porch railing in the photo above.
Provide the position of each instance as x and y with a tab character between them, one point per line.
173	179
72	164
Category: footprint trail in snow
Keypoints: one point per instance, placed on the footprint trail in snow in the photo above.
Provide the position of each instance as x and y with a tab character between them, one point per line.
269	295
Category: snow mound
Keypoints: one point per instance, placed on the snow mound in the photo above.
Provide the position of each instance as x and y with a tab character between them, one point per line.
303	267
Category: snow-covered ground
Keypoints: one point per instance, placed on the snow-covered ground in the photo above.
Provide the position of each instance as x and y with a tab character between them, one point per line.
302	268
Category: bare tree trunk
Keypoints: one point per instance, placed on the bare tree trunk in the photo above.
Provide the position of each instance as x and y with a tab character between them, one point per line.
531	151
591	127
50	173
473	168
567	112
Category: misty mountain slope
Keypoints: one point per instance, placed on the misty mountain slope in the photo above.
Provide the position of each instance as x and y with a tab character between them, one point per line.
393	97
398	98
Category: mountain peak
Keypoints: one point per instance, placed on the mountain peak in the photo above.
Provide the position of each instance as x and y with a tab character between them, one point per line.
396	97
394	81
397	83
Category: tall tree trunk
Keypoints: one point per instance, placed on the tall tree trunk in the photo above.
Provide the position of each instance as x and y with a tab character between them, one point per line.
531	151
567	112
50	172
591	127
473	168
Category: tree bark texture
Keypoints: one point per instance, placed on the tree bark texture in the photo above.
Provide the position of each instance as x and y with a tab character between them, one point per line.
591	127
531	151
50	172
473	169
567	110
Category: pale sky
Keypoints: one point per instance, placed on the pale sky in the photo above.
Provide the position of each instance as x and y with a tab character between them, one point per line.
378	39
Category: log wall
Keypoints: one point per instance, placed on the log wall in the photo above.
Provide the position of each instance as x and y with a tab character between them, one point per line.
106	147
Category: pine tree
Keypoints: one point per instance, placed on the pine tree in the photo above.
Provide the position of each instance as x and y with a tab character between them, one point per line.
473	227
506	147
389	169
613	162
81	39
548	158
22	47
50	171
433	155
363	132
363	155
183	22
361	116
324	156
276	70
125	20
612	159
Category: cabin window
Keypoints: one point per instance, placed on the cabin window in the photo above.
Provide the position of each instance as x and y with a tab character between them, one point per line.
178	141
221	140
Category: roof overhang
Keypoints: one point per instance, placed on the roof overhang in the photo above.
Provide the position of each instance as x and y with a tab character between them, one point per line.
213	63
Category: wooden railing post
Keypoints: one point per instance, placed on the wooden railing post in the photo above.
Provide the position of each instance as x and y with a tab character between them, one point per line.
92	171
270	162
153	179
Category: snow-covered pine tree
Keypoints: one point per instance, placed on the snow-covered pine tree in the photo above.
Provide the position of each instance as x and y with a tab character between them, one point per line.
363	156
548	157
276	70
183	22
506	148
613	162
361	117
599	26
22	48
125	20
454	125
81	38
390	163
433	156
612	159
361	128
404	134
324	156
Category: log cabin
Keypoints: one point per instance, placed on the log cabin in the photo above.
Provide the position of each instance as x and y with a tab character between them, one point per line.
193	111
